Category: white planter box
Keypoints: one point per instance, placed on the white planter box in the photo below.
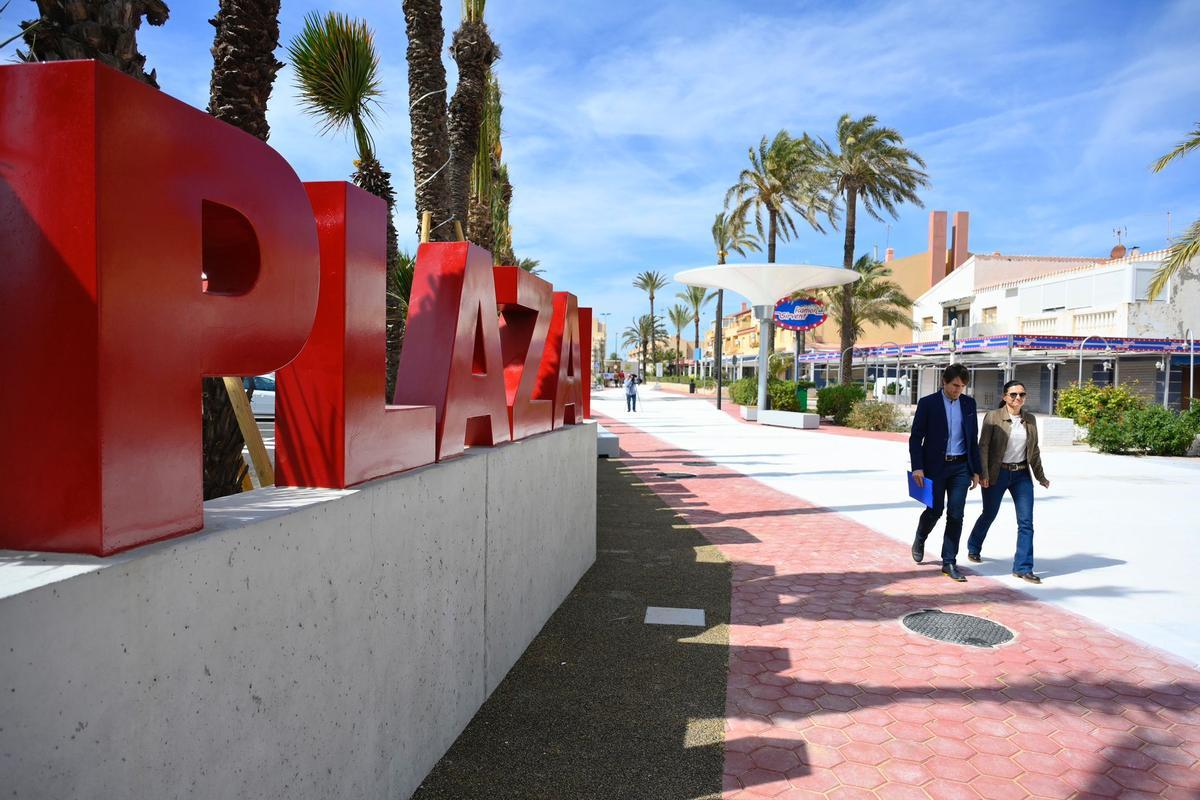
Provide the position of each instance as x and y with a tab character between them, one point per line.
749	413
789	419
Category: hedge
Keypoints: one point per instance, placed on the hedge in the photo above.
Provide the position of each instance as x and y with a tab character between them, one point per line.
837	401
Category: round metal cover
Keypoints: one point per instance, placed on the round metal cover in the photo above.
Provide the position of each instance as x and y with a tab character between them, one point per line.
676	475
957	628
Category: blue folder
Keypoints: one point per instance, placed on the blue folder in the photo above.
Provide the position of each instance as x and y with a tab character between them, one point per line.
922	493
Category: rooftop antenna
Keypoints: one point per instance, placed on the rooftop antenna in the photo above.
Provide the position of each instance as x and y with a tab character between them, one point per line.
876	256
888	241
1168	228
1119	232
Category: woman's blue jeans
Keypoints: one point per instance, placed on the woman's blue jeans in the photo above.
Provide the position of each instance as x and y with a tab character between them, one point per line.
1020	486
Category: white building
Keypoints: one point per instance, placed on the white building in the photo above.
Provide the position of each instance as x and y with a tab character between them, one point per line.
1102	306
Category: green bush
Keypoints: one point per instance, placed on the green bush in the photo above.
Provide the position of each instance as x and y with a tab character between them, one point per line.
1084	403
744	391
837	401
872	415
1149	429
783	395
1108	433
891	388
1160	431
805	385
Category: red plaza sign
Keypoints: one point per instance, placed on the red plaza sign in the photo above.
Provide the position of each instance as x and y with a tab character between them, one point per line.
114	197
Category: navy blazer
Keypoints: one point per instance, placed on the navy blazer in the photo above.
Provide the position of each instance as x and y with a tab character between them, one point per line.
931	434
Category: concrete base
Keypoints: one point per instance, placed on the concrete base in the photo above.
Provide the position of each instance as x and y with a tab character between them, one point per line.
749	413
608	445
305	644
789	419
1194	450
1055	430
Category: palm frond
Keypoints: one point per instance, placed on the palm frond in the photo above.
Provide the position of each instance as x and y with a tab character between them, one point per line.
1183	148
1185	250
337	75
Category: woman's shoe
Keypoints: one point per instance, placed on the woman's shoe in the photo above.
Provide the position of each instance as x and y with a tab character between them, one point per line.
1027	576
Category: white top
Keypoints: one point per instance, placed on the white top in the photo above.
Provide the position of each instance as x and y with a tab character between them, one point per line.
764	284
1015	452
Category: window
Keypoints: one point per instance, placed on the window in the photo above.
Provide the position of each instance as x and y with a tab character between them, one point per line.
264	384
989	315
927	324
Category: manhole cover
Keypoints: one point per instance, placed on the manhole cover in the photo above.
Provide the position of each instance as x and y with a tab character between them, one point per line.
957	628
676	475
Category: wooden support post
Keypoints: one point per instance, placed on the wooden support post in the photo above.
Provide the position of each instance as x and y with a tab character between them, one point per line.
426	222
458	231
250	432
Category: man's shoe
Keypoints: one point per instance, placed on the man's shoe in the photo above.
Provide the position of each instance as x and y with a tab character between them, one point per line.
951	572
974	557
1027	576
918	549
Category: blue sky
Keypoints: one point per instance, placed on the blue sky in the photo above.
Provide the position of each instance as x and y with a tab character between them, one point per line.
625	122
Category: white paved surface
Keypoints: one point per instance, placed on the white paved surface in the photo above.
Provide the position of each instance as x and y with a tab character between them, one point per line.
1117	538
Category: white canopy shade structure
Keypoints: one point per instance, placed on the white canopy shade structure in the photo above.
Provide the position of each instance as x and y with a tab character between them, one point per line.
764	285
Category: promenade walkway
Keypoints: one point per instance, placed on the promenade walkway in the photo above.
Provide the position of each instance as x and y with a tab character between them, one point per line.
828	696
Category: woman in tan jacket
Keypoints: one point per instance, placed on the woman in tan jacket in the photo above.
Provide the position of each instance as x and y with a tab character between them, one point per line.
1008	448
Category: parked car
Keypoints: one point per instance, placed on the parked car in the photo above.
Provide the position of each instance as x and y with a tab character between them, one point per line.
262	403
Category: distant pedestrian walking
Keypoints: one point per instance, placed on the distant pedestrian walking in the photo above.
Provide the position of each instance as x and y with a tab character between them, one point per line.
631	383
944	449
1008	448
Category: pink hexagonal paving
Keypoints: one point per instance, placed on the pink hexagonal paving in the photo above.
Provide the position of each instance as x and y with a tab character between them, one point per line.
829	697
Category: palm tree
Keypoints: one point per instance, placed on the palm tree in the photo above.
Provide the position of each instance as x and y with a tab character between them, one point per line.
337	74
474	52
697	297
785	176
874	298
482	207
243	76
1186	247
427	115
244	63
105	30
650	282
870	163
730	236
681	317
532	266
642	335
399	289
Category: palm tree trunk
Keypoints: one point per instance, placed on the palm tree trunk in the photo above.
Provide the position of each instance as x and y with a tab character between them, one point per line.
104	30
244	63
696	347
474	52
653	338
847	315
243	76
427	115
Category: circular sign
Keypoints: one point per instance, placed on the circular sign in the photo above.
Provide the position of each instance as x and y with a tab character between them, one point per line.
799	314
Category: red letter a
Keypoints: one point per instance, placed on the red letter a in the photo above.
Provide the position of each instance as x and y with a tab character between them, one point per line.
562	370
451	358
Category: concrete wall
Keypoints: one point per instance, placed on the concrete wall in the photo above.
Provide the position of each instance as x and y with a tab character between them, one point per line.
305	644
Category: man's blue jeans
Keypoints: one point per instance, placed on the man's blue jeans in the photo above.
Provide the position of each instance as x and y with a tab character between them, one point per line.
950	495
631	402
1020	486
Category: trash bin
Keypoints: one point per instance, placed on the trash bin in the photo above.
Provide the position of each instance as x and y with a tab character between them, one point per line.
802	398
692	386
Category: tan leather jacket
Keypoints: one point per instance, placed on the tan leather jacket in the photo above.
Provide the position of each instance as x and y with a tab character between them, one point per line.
993	440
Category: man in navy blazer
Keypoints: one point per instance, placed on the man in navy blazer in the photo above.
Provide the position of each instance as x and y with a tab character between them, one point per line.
944	447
